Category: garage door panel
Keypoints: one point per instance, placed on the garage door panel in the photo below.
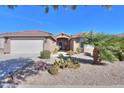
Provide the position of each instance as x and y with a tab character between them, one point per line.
26	46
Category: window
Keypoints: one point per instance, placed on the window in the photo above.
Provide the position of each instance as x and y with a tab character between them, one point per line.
77	40
81	43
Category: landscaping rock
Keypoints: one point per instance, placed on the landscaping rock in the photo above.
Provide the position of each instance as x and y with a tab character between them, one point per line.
8	85
12	72
9	67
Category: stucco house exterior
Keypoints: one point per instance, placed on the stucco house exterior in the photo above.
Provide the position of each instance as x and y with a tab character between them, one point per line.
69	42
34	41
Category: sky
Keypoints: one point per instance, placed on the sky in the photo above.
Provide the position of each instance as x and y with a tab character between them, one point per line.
83	19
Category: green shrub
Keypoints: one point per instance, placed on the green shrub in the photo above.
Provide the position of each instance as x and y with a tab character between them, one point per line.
72	64
69	63
70	52
70	60
54	70
56	63
78	50
77	65
61	56
64	65
120	56
61	63
45	54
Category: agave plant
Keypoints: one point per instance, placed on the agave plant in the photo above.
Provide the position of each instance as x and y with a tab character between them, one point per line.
103	46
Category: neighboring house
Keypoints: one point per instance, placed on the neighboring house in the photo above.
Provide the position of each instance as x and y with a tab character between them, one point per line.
35	41
120	35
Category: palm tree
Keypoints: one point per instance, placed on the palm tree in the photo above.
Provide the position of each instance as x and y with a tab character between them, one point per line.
118	49
102	47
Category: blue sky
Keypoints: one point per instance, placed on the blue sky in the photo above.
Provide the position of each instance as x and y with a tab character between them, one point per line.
83	19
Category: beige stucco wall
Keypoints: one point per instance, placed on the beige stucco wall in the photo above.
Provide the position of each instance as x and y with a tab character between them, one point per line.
76	44
71	44
1	45
1	42
7	46
50	45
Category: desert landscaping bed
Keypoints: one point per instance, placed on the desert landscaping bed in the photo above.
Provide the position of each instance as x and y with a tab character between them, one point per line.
87	75
31	73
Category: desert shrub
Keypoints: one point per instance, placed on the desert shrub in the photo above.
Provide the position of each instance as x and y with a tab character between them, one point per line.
45	54
120	56
69	63
40	65
78	50
61	63
55	51
61	56
70	52
64	65
76	65
54	70
72	63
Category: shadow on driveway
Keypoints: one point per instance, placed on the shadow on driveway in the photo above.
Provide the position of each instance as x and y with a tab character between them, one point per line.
8	67
81	60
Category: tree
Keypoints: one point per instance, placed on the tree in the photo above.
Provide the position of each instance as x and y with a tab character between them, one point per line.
118	50
104	46
73	7
56	7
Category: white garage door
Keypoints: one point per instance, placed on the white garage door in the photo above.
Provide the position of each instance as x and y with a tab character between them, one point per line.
26	46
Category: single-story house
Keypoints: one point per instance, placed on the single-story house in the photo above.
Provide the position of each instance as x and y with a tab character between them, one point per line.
34	41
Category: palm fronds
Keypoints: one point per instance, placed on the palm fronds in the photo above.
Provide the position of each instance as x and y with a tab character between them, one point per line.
107	55
74	7
46	10
55	7
111	47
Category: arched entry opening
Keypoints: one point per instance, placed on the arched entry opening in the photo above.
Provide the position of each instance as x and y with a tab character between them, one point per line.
63	42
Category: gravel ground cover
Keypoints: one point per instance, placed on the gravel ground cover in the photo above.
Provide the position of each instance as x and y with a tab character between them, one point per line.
88	75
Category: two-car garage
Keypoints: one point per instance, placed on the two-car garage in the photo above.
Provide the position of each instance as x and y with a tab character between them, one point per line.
26	46
27	42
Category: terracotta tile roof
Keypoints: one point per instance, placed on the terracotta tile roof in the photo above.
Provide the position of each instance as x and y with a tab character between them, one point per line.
28	33
63	34
78	35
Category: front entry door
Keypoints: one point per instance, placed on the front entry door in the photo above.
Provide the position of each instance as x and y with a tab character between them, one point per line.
60	45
